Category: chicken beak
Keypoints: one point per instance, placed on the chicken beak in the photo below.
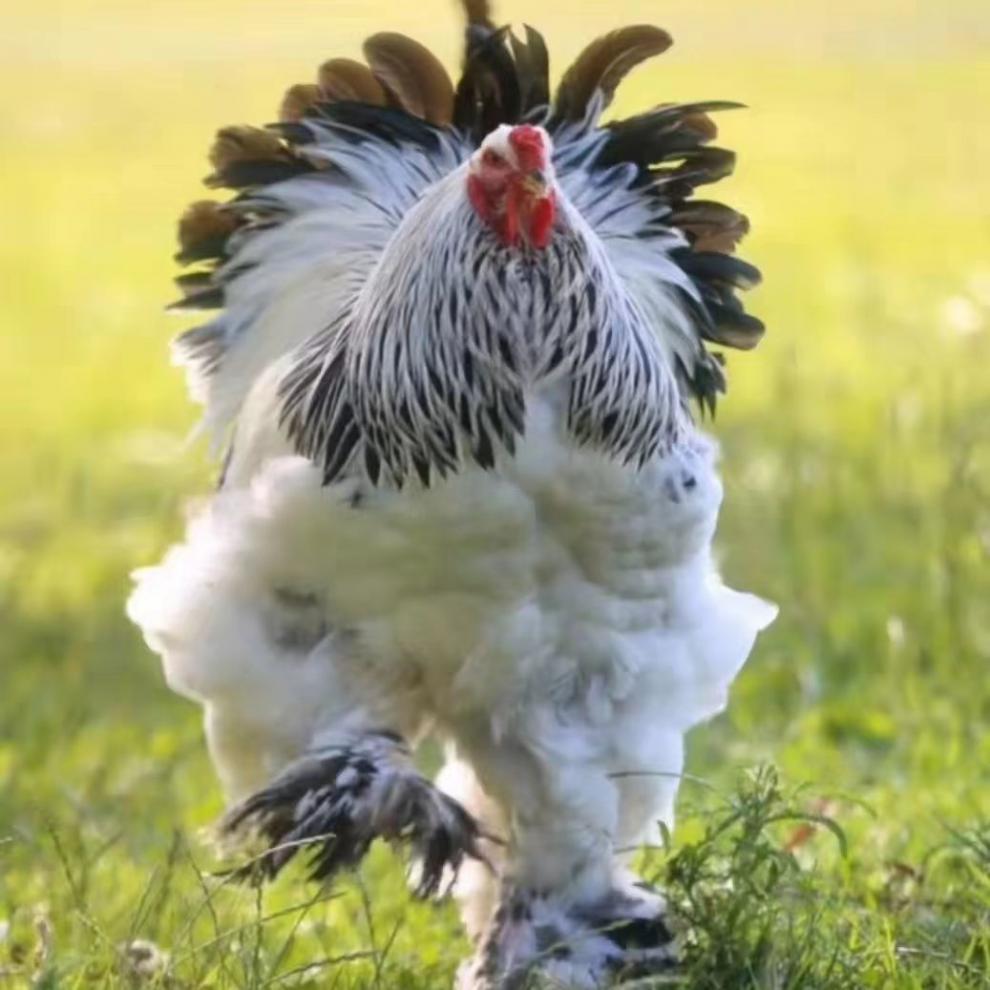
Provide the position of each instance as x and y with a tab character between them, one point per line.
535	184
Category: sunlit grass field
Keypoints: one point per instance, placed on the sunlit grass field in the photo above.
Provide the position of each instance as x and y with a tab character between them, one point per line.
856	452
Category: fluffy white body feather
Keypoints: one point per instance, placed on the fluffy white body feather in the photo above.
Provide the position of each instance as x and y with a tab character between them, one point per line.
561	622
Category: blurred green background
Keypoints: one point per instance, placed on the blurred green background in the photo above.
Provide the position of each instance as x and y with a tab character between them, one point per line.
855	447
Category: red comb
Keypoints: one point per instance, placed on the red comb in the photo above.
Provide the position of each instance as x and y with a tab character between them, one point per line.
530	147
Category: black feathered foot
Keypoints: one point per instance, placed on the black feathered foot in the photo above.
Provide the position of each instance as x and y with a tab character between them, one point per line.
531	936
334	802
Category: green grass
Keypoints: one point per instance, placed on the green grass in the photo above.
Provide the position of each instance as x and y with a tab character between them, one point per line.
856	461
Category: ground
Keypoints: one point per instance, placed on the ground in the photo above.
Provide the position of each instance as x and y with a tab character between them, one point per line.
856	461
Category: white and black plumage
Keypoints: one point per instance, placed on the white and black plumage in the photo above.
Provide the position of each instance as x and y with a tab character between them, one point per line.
464	492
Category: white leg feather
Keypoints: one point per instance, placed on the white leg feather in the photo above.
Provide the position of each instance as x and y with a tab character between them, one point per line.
304	728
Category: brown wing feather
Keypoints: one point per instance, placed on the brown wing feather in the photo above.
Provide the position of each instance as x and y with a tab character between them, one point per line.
298	100
711	226
241	145
702	125
413	74
343	79
203	230
604	64
740	338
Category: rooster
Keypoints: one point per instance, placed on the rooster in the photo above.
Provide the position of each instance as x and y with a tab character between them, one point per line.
462	331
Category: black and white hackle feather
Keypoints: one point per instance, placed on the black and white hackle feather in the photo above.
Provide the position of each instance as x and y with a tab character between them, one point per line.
637	175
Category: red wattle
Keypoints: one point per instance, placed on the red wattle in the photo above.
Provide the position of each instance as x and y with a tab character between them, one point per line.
478	196
513	214
541	221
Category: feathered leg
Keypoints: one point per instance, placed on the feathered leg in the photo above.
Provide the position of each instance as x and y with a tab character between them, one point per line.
476	889
305	722
340	796
566	908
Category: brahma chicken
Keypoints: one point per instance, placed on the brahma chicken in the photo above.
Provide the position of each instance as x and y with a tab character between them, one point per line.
466	332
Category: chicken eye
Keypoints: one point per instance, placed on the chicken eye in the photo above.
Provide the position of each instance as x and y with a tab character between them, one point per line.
492	158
